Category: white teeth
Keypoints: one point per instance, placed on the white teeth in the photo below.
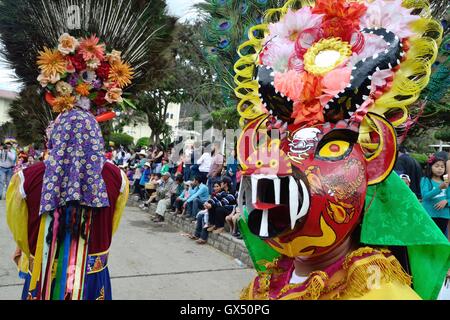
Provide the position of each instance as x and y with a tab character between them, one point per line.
277	189
254	188
293	200
305	204
264	230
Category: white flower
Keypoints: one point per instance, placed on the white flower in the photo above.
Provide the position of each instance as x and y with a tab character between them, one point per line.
390	15
93	63
295	22
67	44
278	53
84	103
43	80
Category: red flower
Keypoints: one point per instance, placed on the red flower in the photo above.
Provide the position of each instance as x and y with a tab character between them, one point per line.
341	17
100	99
78	62
103	71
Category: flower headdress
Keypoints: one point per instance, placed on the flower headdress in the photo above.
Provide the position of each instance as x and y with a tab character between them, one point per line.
333	60
80	73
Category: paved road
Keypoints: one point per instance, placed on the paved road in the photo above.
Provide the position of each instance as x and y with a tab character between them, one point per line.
149	262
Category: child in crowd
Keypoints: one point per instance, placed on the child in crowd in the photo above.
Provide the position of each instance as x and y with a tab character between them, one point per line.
216	190
232	221
436	193
184	195
406	179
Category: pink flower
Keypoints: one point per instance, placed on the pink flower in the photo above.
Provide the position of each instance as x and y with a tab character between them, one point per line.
379	78
294	22
372	44
278	54
390	15
289	84
334	82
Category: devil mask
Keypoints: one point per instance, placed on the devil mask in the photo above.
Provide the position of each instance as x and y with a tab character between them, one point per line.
322	89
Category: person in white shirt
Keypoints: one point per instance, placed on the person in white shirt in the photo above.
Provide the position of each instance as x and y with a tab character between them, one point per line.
204	164
7	164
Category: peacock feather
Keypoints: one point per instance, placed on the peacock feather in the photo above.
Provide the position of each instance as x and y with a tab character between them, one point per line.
226	26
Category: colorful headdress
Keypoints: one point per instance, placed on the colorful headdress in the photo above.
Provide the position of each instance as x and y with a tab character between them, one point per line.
325	88
81	73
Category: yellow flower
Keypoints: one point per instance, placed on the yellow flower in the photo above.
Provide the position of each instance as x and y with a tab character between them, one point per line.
114	95
67	44
121	73
64	89
83	89
61	104
51	62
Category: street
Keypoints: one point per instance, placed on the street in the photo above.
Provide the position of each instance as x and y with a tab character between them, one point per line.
148	262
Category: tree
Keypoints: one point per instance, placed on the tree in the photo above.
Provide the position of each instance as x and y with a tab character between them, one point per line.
141	29
121	139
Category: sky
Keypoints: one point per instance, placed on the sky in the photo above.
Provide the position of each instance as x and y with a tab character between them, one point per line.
179	8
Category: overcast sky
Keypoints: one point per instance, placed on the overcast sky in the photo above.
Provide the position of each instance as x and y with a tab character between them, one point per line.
180	8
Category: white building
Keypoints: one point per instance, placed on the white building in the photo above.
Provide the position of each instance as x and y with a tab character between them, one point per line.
142	130
6	98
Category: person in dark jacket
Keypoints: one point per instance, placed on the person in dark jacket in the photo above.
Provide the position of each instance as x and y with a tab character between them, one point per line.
407	165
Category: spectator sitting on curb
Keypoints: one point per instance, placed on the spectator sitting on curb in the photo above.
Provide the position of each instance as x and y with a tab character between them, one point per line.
177	189
224	207
182	197
211	202
232	221
196	200
163	195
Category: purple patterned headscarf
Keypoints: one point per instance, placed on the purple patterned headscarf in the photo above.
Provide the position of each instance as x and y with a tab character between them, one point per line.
73	170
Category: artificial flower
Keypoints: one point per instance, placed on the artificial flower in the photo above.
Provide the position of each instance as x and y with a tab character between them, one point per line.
97	84
309	113
114	56
70	68
61	104
114	95
64	89
334	82
51	62
289	84
341	18
390	15
380	78
84	103
73	79
278	53
295	22
43	80
88	76
312	87
83	89
121	73
78	62
93	64
103	70
90	49
67	44
372	44
100	98
54	78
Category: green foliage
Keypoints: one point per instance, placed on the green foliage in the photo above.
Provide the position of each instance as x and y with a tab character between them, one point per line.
225	118
143	142
443	134
420	157
121	139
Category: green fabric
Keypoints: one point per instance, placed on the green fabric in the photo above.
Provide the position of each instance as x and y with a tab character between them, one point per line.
394	217
259	251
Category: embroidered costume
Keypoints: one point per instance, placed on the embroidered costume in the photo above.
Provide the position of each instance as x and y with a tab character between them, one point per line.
64	211
325	89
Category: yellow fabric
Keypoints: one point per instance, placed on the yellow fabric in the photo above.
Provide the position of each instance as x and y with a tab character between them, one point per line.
39	251
17	214
120	206
390	291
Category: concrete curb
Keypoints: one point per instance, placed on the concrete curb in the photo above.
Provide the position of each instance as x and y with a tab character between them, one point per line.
224	242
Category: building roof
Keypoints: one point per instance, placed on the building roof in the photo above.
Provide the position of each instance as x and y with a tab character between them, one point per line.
9	95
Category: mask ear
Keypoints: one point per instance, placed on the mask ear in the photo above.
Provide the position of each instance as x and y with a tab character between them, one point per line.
381	163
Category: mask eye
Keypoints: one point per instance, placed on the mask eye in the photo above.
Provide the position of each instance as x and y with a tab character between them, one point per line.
334	150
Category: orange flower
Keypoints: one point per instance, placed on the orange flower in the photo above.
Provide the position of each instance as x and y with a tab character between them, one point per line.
289	84
308	113
83	89
51	62
90	49
312	87
121	73
61	104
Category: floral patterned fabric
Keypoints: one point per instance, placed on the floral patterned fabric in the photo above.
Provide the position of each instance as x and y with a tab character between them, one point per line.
76	158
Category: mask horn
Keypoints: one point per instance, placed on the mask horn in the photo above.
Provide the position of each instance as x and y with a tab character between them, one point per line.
381	163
